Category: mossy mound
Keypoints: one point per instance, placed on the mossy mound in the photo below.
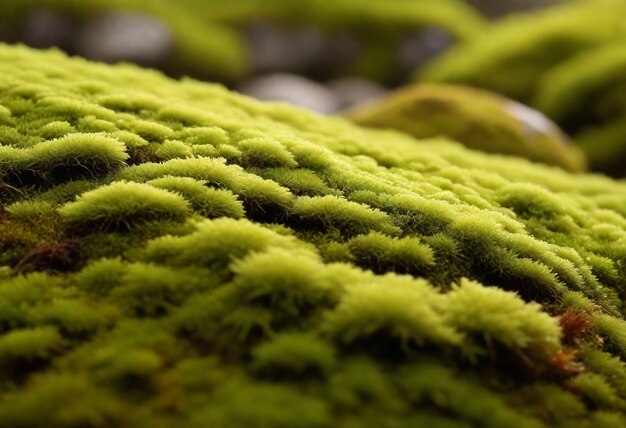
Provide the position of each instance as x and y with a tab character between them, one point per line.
479	119
211	41
567	61
177	255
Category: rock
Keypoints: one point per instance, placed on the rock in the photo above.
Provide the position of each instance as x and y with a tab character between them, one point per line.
273	49
306	50
341	51
292	89
125	36
420	46
479	119
533	121
45	28
354	91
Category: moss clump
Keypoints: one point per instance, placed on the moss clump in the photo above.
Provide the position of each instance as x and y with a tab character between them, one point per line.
298	271
119	204
478	119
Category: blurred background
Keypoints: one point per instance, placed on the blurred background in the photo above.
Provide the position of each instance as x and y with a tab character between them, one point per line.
233	41
551	74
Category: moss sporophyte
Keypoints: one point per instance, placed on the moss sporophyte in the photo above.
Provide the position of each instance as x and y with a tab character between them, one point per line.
174	254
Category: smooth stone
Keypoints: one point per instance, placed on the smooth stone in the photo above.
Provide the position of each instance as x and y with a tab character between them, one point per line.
292	89
420	46
44	28
342	50
305	50
273	49
122	36
355	91
533	121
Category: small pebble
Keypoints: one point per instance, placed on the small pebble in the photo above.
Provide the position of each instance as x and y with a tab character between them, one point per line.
354	91
292	89
122	36
45	28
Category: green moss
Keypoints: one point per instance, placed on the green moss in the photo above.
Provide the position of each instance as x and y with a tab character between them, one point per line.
29	344
332	212
502	317
294	355
265	153
206	201
120	204
478	119
300	271
172	149
47	394
407	312
384	254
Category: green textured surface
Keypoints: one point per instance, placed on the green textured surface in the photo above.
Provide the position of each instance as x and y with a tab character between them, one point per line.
177	255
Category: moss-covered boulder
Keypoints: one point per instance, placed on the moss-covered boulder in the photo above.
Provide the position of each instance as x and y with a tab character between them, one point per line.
479	119
174	254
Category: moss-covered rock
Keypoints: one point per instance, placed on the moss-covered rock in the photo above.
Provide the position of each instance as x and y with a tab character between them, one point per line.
297	271
479	119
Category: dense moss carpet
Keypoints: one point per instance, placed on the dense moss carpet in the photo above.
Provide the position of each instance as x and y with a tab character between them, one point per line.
177	255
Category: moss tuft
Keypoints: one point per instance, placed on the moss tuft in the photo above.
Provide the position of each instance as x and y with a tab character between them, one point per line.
120	204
